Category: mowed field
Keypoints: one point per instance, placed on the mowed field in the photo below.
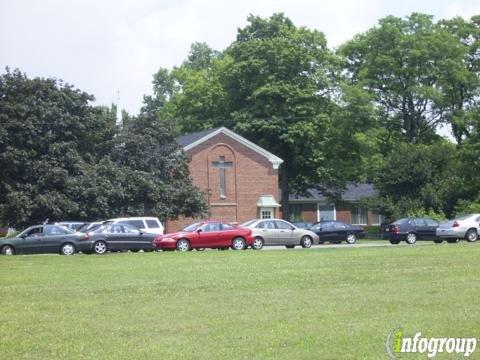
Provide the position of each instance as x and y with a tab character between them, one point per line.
338	303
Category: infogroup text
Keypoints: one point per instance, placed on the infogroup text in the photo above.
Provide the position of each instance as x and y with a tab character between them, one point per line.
398	343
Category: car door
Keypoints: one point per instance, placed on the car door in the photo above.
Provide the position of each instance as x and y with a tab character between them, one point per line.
286	234
210	235
432	228
132	238
326	231
268	231
421	228
32	240
341	231
114	237
53	237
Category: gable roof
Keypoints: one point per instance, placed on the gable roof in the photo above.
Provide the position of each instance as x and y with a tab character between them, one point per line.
352	192
189	141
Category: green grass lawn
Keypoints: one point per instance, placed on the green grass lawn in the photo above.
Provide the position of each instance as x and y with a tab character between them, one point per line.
337	303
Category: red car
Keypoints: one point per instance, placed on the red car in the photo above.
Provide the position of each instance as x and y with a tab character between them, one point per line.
206	234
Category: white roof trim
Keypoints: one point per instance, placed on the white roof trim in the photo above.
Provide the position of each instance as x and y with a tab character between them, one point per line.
275	160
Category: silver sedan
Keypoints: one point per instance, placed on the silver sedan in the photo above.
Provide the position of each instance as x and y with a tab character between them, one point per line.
466	227
270	232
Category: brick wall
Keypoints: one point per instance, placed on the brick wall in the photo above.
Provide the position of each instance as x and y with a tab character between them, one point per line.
250	176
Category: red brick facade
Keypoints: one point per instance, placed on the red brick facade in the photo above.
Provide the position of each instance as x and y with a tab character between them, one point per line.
249	176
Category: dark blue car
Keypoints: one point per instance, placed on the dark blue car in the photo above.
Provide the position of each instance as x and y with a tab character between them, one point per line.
410	230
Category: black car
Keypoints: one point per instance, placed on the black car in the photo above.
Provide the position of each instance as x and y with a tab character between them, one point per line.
46	239
410	230
118	237
337	231
302	225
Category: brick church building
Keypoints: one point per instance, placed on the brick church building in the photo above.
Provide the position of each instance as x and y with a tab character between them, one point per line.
238	178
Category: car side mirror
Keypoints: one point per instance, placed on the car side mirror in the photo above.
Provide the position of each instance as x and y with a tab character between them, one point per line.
199	231
141	232
23	236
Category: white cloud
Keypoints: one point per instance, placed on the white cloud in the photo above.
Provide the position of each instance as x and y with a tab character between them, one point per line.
105	46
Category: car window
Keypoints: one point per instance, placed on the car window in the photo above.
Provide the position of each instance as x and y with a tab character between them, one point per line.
248	223
37	231
55	230
266	225
431	222
227	227
339	225
152	224
112	229
129	229
418	222
137	223
214	226
191	227
282	225
315	227
327	225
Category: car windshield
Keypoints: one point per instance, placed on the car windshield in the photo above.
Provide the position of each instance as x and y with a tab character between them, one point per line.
191	228
83	228
247	224
465	217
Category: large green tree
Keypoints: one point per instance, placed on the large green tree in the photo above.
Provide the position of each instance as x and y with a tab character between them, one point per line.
61	158
279	86
411	66
418	178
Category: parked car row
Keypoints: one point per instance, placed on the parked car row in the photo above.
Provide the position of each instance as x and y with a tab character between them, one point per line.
412	229
146	234
98	237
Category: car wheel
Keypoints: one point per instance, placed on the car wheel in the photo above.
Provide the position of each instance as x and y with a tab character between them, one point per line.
100	247
471	235
351	239
67	249
8	250
411	238
306	242
257	243
183	245
394	242
238	243
452	241
438	241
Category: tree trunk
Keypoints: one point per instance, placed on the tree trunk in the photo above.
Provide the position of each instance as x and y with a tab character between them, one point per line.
285	191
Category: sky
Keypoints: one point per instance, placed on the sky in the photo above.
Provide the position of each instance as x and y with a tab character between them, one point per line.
112	48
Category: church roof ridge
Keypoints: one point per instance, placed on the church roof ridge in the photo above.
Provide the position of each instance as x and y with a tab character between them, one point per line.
189	141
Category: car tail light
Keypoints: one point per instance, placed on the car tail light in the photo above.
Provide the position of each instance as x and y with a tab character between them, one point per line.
395	229
456	224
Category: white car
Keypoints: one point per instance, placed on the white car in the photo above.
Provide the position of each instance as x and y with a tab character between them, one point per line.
149	225
466	227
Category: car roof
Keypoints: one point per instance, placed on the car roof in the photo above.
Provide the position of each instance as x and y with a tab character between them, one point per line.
134	218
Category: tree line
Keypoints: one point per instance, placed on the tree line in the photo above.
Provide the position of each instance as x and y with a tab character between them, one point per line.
368	111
